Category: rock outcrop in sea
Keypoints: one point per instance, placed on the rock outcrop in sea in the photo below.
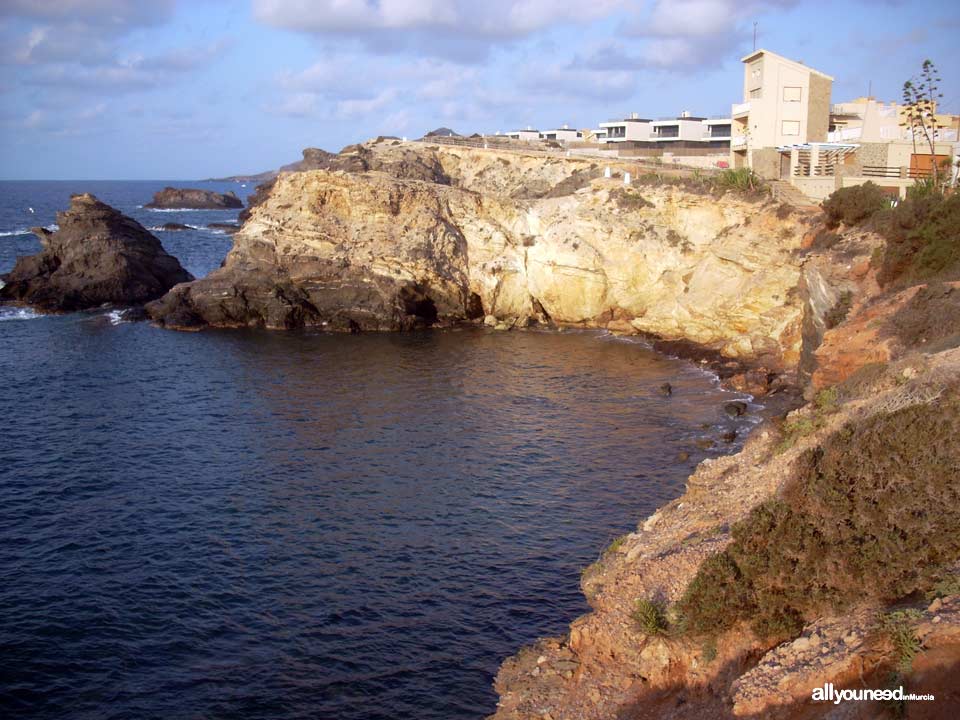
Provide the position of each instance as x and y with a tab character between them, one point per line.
391	235
97	256
171	198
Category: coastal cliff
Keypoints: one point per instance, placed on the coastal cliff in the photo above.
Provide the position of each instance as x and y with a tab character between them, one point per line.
395	235
825	551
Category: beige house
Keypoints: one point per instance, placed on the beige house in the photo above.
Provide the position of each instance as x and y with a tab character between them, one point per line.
867	120
784	103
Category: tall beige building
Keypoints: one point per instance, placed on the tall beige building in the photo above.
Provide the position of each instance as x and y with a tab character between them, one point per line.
784	103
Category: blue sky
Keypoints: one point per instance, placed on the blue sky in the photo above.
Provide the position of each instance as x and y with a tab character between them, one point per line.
178	89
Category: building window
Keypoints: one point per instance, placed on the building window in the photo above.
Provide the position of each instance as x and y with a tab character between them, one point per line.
790	127
756	94
791	94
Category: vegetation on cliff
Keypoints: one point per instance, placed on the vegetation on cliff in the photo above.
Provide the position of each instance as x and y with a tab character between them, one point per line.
922	232
873	513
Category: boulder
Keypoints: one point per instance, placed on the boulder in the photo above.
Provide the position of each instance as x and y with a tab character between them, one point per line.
174	227
229	228
735	408
98	256
171	198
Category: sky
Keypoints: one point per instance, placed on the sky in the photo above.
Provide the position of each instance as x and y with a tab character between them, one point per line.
189	89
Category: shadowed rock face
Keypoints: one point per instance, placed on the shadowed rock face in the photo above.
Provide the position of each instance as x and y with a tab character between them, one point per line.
97	256
173	198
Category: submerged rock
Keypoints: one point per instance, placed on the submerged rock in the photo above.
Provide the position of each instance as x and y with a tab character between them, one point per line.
229	228
735	408
171	198
174	227
97	256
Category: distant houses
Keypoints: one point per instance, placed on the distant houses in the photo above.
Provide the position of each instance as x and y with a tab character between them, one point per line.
786	129
562	134
783	128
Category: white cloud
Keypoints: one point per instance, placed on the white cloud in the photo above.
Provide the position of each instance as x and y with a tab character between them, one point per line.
367	106
495	18
116	14
303	104
460	29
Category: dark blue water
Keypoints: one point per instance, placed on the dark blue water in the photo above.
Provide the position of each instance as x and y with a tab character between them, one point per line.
241	524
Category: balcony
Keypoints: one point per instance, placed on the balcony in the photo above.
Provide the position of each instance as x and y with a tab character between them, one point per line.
740	109
738	142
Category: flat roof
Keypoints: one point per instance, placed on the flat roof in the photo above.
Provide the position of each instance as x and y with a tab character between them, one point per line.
671	121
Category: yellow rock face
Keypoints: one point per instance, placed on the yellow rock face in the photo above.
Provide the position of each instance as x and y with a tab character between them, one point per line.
530	235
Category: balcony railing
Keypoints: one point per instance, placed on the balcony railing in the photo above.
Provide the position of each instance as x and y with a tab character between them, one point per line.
738	141
896	172
740	109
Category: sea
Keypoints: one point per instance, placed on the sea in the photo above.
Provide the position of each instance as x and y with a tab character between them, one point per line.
261	524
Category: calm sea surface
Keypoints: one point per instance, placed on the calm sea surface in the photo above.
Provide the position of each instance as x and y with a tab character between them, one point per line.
252	524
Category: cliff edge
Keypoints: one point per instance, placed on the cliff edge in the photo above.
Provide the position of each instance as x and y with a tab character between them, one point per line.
394	235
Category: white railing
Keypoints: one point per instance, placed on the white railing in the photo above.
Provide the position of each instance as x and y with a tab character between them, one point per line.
844	134
738	141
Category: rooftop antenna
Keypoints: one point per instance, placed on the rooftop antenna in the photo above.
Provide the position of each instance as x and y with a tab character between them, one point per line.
754	35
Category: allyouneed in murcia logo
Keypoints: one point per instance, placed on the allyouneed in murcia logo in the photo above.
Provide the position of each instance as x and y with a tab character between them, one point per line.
828	693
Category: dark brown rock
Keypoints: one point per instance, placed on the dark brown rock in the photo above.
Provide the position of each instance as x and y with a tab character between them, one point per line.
229	228
735	408
98	256
171	198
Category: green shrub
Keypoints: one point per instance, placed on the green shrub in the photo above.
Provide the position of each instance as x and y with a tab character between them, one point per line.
897	626
923	240
852	205
741	179
650	616
950	585
794	429
873	513
615	544
827	399
931	320
709	650
716	598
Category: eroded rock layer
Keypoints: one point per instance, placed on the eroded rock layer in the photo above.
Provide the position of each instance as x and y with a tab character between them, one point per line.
392	235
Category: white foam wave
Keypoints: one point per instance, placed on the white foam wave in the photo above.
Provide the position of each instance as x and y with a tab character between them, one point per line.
161	228
168	210
53	227
18	313
116	317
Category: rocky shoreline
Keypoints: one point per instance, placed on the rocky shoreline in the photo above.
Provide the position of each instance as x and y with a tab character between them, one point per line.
736	598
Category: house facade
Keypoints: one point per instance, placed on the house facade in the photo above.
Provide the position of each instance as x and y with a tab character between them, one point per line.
562	134
633	128
784	103
528	135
